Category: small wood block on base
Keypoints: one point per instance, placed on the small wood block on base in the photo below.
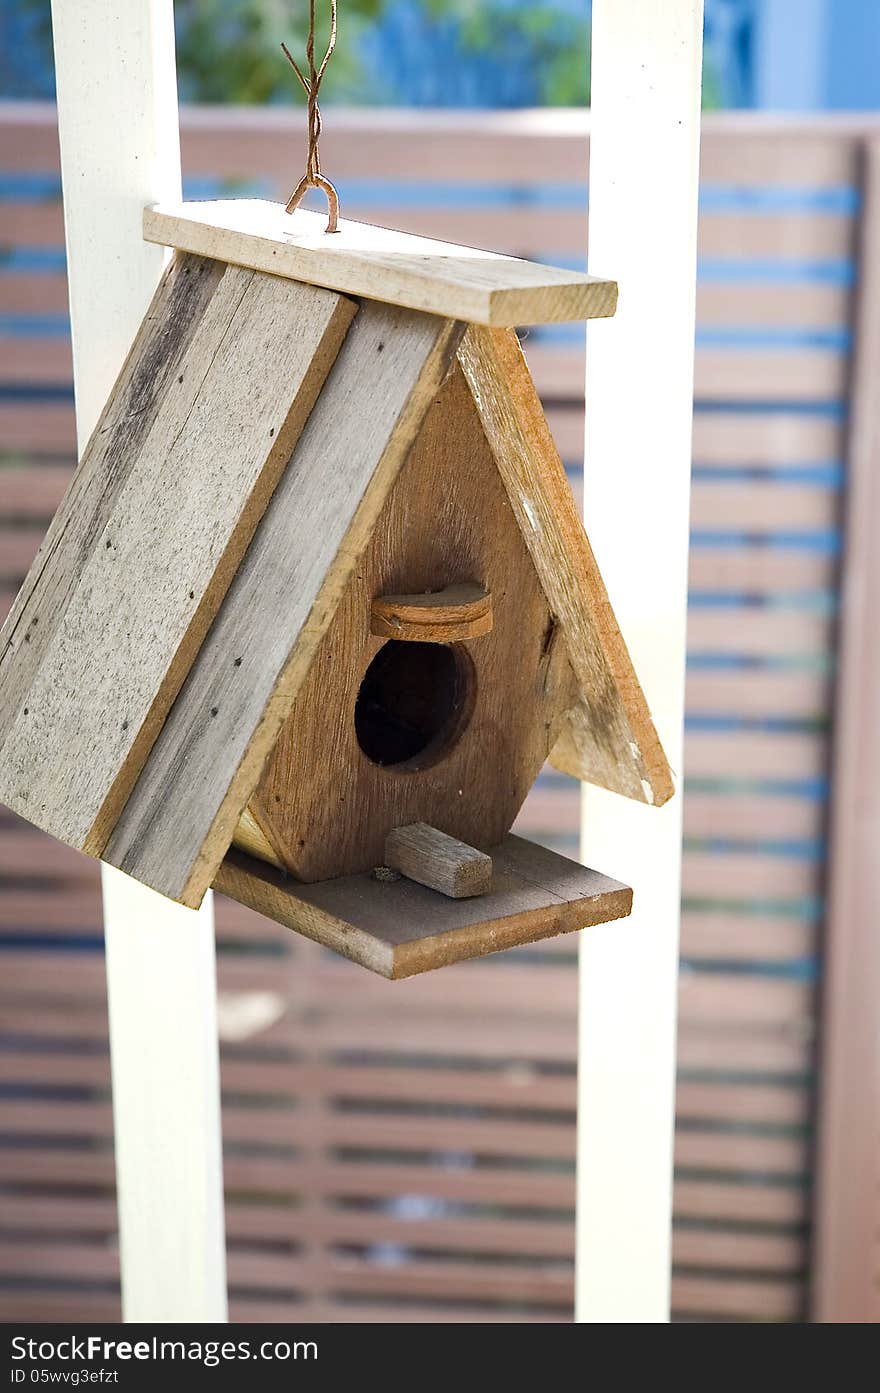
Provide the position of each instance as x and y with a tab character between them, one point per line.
430	857
399	928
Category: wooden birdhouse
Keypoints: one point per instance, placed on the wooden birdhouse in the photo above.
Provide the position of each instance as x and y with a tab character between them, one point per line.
318	604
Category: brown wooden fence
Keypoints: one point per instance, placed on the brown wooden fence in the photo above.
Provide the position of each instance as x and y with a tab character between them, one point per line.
406	1152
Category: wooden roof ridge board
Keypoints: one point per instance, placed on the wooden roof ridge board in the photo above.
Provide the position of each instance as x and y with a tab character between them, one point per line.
377	263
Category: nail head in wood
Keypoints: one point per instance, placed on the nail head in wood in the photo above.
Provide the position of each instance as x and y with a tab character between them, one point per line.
430	857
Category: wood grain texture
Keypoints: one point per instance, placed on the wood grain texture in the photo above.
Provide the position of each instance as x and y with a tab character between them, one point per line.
172	485
174	320
451	615
609	737
321	803
444	632
250	836
399	928
440	862
180	819
379	264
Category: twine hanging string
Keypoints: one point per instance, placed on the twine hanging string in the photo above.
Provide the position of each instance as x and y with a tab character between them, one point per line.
313	178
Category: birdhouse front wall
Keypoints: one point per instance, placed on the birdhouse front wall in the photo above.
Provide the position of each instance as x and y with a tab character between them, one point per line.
386	732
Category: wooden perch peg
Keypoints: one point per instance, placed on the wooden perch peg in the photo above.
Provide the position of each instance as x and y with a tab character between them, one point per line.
443	863
451	615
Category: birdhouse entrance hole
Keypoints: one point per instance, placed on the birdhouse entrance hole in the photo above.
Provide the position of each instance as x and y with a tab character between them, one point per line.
414	702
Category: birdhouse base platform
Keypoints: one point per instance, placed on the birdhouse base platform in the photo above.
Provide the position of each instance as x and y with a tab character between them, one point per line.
398	928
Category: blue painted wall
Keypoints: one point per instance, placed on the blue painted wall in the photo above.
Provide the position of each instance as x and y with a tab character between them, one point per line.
816	55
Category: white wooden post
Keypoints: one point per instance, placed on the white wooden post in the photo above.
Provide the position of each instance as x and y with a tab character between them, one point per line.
117	115
644	145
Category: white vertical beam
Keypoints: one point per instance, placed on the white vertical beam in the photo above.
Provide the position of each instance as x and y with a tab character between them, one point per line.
117	116
644	145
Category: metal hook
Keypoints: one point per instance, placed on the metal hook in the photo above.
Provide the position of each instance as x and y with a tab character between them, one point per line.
313	178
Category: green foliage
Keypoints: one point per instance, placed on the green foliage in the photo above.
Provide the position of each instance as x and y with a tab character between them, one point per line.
232	52
711	86
568	80
229	52
557	40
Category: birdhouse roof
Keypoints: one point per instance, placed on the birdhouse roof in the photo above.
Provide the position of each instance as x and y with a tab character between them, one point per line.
233	480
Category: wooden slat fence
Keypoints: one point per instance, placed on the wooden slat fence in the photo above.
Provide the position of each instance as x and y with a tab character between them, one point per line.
406	1152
